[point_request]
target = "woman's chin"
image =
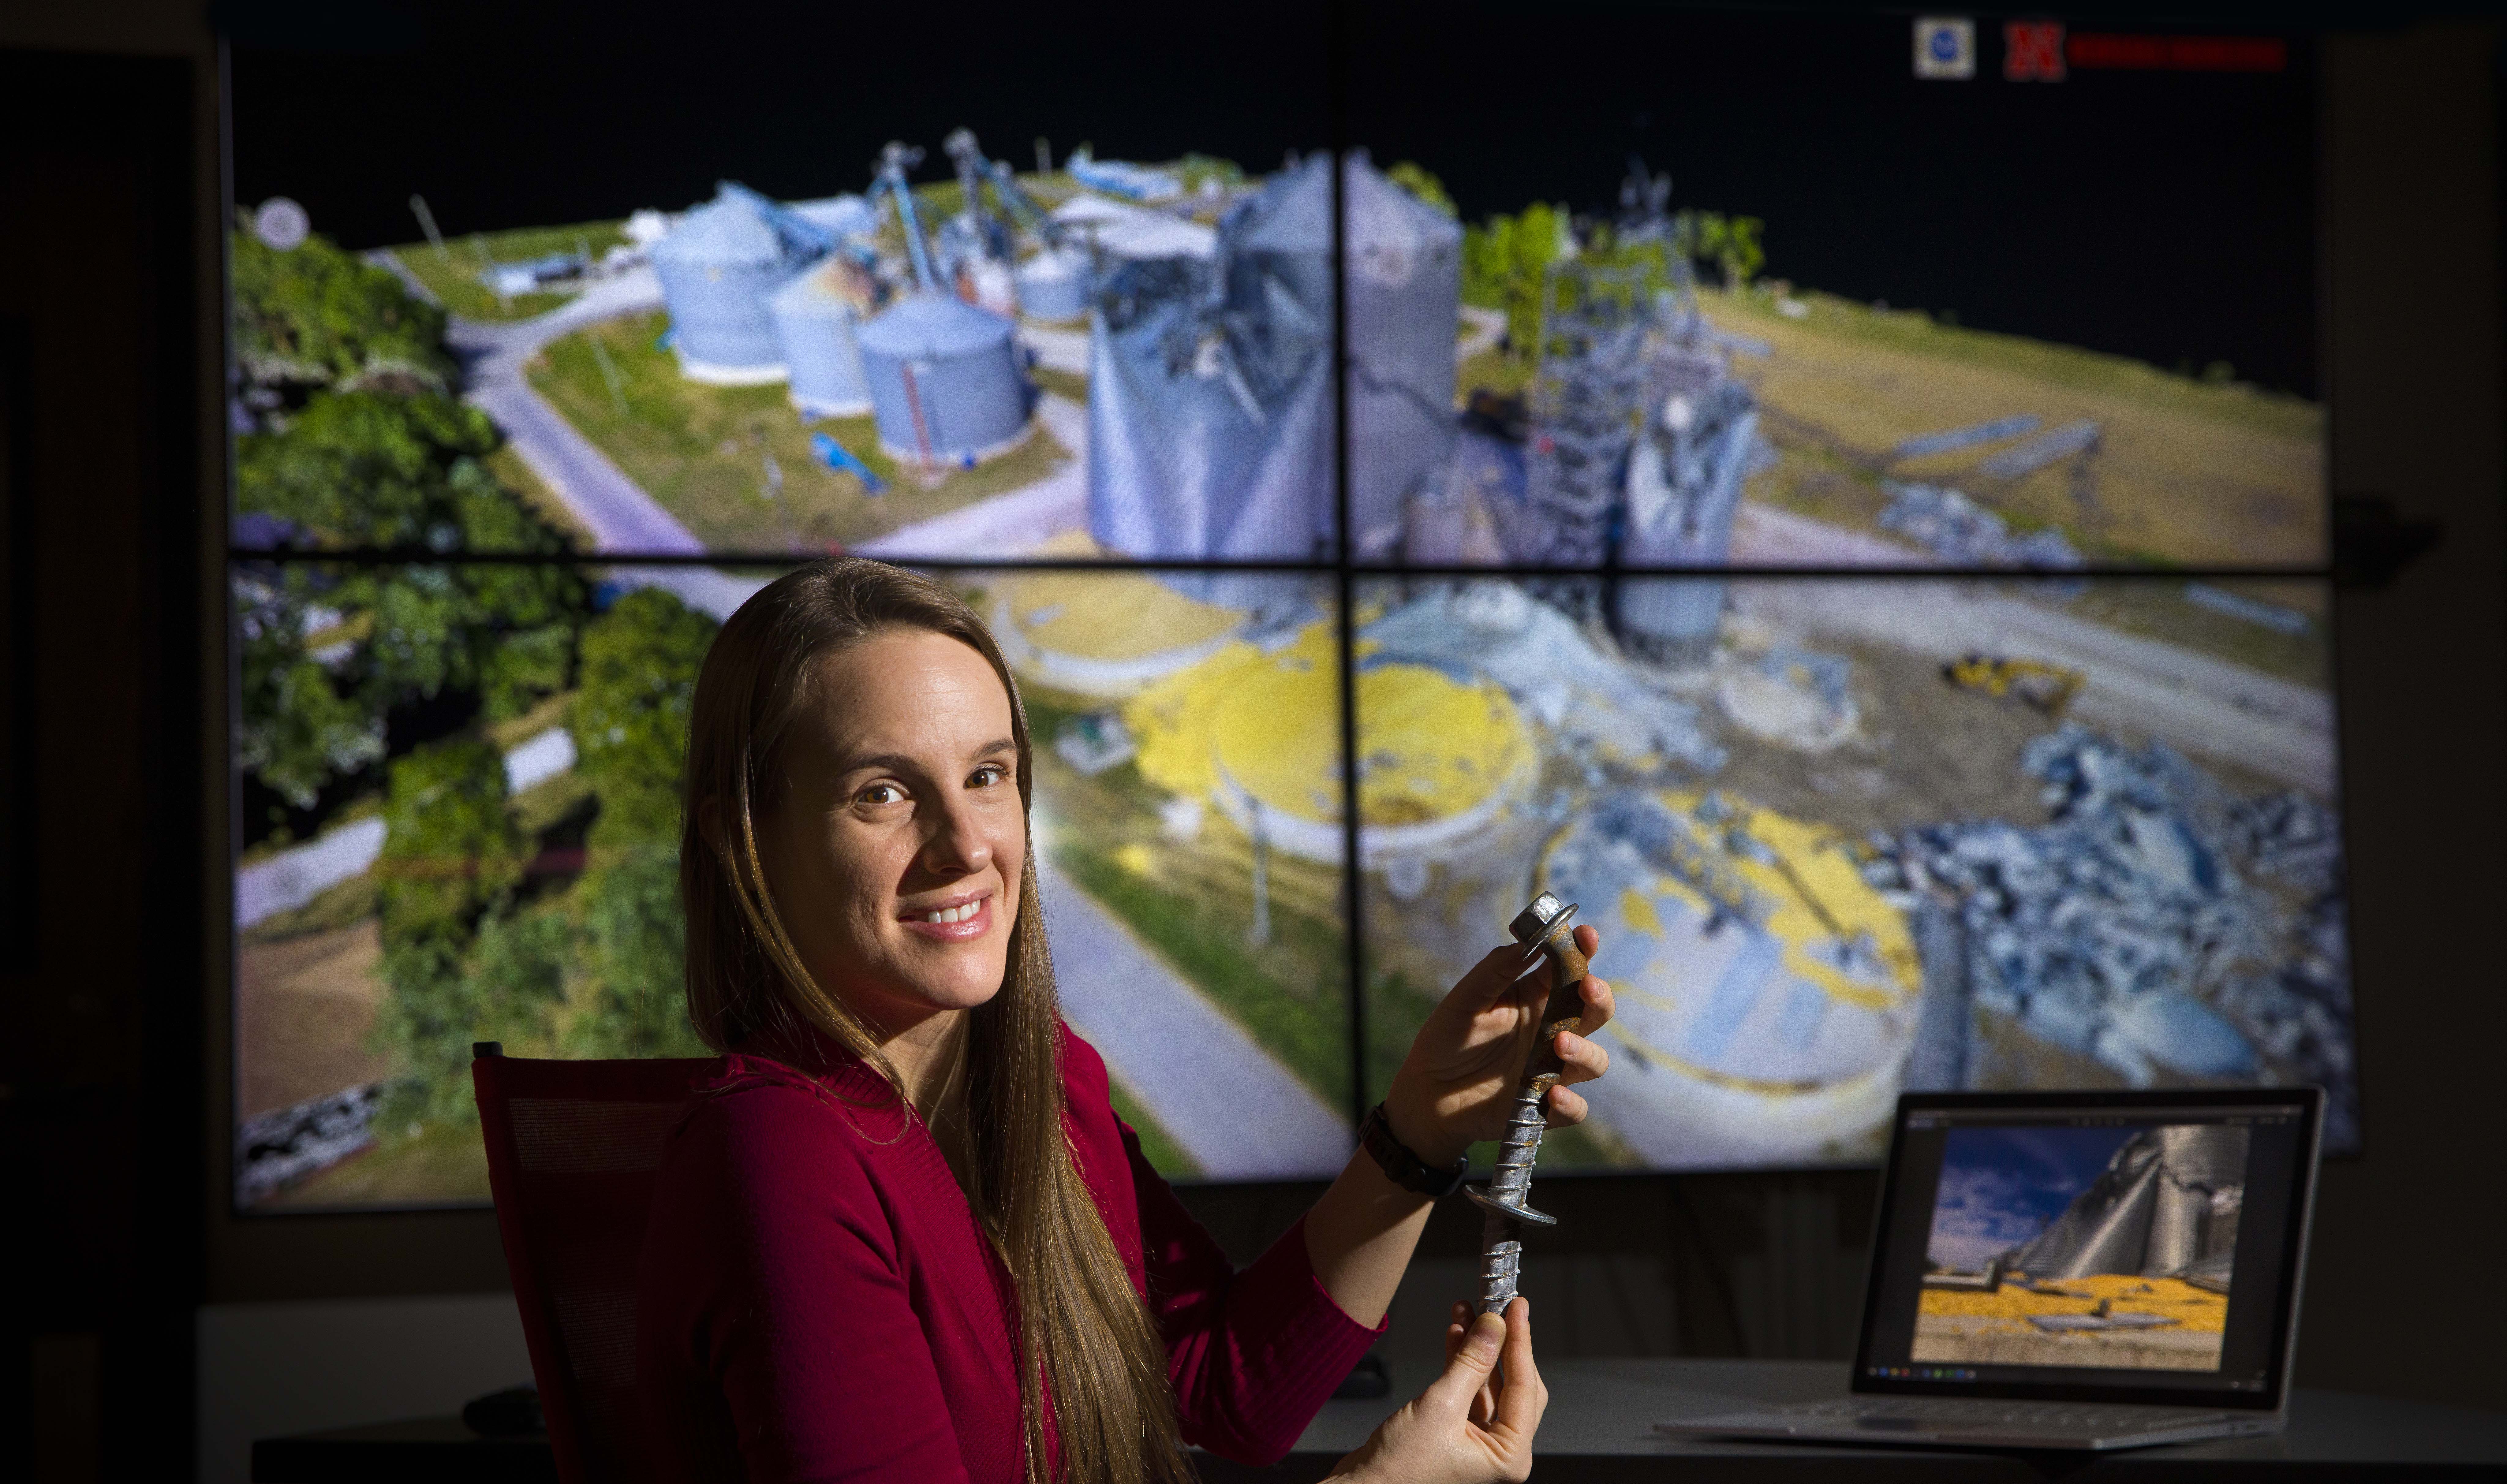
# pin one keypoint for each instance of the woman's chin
(964, 978)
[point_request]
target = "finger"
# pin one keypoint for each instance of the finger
(1467, 1368)
(1567, 1108)
(1580, 1058)
(1588, 940)
(1453, 1341)
(1497, 975)
(1599, 1005)
(1520, 1404)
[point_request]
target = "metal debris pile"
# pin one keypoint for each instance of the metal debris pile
(1955, 528)
(275, 1149)
(2155, 922)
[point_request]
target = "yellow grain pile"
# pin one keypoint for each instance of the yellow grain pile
(2192, 1308)
(1268, 725)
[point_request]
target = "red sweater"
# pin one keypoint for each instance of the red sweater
(818, 1302)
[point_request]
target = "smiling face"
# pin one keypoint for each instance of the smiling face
(895, 849)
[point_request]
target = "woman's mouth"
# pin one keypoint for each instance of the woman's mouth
(954, 921)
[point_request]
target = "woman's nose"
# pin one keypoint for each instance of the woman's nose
(958, 844)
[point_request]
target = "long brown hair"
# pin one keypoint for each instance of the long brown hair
(1084, 1335)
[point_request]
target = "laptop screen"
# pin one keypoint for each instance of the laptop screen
(2100, 1246)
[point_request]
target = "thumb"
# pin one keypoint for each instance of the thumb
(1468, 1369)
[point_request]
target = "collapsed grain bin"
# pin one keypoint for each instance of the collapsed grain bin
(1210, 400)
(2168, 1199)
(718, 268)
(1209, 414)
(1779, 989)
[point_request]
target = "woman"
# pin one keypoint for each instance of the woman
(902, 1235)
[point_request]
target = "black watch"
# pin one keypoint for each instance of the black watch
(1404, 1167)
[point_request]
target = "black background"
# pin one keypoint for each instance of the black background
(2165, 216)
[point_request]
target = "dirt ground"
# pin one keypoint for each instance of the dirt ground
(303, 1007)
(1990, 1342)
(1922, 753)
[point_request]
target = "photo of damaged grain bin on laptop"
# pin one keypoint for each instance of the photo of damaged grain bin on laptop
(2106, 1247)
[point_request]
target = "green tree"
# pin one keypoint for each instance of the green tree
(1505, 263)
(452, 851)
(505, 632)
(1733, 244)
(1416, 179)
(374, 469)
(319, 318)
(630, 719)
(1193, 169)
(451, 859)
(635, 943)
(299, 728)
(630, 723)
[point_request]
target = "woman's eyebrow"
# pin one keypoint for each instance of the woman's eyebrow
(885, 762)
(898, 762)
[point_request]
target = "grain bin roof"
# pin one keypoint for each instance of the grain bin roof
(739, 227)
(933, 326)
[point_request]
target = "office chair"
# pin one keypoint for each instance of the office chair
(572, 1149)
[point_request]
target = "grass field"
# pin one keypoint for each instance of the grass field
(2158, 609)
(2186, 471)
(517, 476)
(434, 1163)
(701, 450)
(1062, 384)
(454, 276)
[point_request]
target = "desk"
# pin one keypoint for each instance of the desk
(1599, 1431)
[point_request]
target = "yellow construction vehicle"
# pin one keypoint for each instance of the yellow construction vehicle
(2048, 688)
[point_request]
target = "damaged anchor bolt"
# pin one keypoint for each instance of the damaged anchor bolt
(1546, 927)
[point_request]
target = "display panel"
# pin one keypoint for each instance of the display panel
(989, 335)
(444, 843)
(2140, 1221)
(1846, 836)
(1643, 307)
(2143, 1245)
(1782, 290)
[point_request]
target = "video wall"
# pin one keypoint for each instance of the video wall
(1912, 697)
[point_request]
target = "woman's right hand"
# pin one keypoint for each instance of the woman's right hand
(1474, 1425)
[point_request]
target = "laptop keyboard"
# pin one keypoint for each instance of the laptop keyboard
(2063, 1416)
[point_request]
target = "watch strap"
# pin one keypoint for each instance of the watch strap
(1404, 1167)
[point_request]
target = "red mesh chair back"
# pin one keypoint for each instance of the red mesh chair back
(572, 1149)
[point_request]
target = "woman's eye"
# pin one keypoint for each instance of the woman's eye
(880, 793)
(988, 775)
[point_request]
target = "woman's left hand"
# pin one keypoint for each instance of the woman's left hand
(1454, 1088)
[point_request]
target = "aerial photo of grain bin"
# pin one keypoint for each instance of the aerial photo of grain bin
(2058, 1246)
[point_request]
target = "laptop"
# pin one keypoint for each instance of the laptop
(2087, 1270)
